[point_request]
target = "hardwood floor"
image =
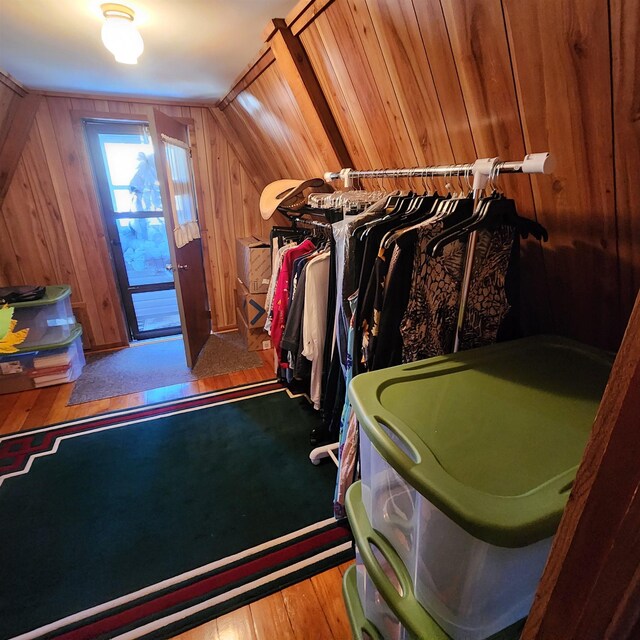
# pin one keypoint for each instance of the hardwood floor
(310, 610)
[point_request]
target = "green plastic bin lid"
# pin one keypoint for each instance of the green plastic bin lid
(53, 293)
(76, 331)
(493, 436)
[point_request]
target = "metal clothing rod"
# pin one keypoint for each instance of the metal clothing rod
(532, 163)
(315, 223)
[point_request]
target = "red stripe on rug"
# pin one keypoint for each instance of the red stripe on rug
(207, 585)
(19, 449)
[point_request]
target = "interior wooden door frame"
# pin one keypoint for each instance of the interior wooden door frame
(78, 117)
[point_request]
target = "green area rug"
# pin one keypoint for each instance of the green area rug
(148, 521)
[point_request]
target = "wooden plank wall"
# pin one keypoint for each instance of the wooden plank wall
(54, 227)
(6, 95)
(270, 125)
(407, 83)
(431, 81)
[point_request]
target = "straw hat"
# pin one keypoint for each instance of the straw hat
(289, 194)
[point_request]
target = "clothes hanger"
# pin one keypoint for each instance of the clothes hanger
(427, 211)
(453, 208)
(493, 211)
(459, 224)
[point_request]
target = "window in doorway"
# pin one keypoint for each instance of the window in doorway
(123, 160)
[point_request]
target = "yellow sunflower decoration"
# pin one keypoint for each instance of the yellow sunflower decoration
(9, 339)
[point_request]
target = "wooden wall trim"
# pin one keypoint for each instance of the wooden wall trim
(249, 75)
(88, 114)
(300, 7)
(592, 573)
(13, 84)
(304, 13)
(16, 128)
(129, 99)
(296, 68)
(625, 69)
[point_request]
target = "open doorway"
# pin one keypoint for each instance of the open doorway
(122, 156)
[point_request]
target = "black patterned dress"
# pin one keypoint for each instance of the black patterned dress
(429, 322)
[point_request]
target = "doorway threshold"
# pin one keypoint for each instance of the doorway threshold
(141, 343)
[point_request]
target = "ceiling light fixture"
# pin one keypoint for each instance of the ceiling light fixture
(119, 34)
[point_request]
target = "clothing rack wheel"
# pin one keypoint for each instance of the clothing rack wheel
(325, 451)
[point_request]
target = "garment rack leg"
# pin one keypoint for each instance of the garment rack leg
(324, 451)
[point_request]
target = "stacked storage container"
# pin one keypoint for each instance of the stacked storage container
(52, 352)
(467, 462)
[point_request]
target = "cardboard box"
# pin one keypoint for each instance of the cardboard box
(252, 306)
(254, 339)
(253, 263)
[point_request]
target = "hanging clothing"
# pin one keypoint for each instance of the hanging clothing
(429, 322)
(387, 351)
(376, 298)
(277, 260)
(348, 463)
(488, 303)
(281, 295)
(348, 440)
(292, 338)
(348, 261)
(367, 287)
(314, 323)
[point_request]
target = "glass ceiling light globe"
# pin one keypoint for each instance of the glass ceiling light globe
(119, 35)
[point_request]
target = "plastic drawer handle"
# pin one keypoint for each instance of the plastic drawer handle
(379, 575)
(359, 622)
(392, 448)
(405, 606)
(370, 630)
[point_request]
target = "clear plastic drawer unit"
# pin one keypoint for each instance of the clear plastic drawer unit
(467, 462)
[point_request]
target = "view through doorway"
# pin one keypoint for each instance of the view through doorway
(122, 156)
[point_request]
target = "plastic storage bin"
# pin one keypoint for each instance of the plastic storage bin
(50, 320)
(43, 366)
(385, 587)
(467, 462)
(375, 608)
(361, 628)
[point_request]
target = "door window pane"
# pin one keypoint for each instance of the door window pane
(145, 249)
(156, 309)
(131, 172)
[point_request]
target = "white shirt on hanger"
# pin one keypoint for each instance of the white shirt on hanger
(314, 324)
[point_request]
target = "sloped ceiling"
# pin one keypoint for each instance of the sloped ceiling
(193, 48)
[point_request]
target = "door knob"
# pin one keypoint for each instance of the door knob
(182, 267)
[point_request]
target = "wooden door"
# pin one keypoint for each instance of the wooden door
(186, 261)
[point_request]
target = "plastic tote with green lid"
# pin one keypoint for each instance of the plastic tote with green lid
(49, 319)
(36, 367)
(467, 462)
